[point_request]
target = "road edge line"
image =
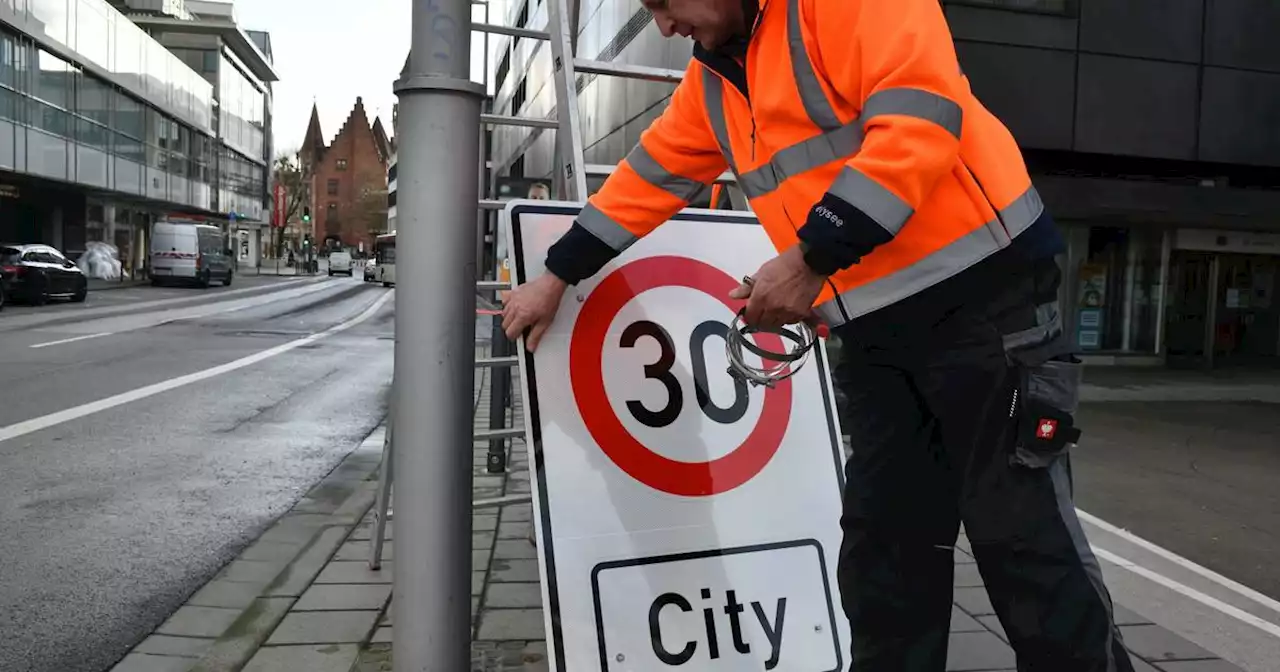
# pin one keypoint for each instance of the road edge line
(66, 415)
(1204, 572)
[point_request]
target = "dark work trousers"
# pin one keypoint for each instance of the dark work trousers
(935, 424)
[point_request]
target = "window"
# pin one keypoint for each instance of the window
(342, 164)
(333, 187)
(1060, 7)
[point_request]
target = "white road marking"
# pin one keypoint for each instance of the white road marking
(1187, 591)
(72, 340)
(52, 419)
(228, 307)
(1233, 586)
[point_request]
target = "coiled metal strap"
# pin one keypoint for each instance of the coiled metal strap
(738, 341)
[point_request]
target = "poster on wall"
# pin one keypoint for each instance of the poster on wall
(1091, 300)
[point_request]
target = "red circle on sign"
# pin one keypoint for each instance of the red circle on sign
(586, 351)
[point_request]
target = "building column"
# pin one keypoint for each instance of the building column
(53, 227)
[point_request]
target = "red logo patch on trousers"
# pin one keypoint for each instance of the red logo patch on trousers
(1047, 428)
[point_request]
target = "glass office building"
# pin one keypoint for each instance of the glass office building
(103, 130)
(1148, 127)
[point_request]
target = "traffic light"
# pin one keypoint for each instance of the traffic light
(306, 215)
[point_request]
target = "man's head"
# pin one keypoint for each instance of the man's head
(711, 23)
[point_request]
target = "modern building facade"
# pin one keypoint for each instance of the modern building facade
(1148, 126)
(207, 37)
(103, 129)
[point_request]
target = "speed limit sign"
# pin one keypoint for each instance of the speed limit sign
(684, 519)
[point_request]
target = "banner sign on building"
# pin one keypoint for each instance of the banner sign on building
(279, 211)
(685, 520)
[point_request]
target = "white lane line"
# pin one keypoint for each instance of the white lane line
(71, 340)
(1187, 591)
(230, 307)
(1233, 586)
(46, 421)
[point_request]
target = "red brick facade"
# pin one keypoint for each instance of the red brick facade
(348, 179)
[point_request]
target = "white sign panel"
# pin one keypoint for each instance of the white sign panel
(685, 520)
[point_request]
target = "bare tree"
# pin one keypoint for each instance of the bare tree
(290, 174)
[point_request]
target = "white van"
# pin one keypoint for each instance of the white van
(340, 262)
(189, 252)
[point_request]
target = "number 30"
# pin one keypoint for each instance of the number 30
(661, 372)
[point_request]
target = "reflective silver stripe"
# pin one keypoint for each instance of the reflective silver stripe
(811, 94)
(651, 171)
(1019, 215)
(802, 157)
(713, 92)
(603, 227)
(869, 196)
(942, 264)
(915, 103)
(1060, 476)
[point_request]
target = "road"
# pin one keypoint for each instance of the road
(1197, 478)
(140, 450)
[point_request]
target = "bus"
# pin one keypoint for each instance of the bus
(384, 250)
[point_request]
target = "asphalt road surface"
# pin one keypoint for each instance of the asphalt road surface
(114, 507)
(1201, 479)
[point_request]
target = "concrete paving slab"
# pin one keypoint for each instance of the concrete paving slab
(226, 594)
(511, 624)
(141, 662)
(166, 645)
(341, 597)
(324, 627)
(356, 572)
(190, 621)
(978, 651)
(322, 658)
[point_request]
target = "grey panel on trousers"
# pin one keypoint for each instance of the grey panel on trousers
(1136, 107)
(1238, 118)
(1242, 34)
(1164, 29)
(1031, 90)
(1020, 28)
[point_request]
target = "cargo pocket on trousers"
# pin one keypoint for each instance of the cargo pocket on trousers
(1045, 405)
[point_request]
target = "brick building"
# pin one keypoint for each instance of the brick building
(348, 178)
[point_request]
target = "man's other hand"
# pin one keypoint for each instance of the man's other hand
(782, 292)
(532, 306)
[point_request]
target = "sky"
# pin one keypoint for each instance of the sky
(327, 52)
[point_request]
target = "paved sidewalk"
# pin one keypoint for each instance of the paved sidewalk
(323, 610)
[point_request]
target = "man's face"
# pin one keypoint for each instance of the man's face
(709, 22)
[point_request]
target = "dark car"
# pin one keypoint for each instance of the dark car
(36, 273)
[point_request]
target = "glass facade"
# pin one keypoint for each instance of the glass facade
(100, 35)
(241, 110)
(59, 121)
(1114, 287)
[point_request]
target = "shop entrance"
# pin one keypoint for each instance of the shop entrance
(1223, 310)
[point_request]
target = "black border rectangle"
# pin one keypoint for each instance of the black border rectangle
(716, 553)
(515, 249)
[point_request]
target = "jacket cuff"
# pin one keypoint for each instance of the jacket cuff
(578, 255)
(838, 235)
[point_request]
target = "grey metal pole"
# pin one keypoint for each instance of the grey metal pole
(435, 342)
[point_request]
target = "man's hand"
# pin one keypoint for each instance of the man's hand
(532, 306)
(782, 291)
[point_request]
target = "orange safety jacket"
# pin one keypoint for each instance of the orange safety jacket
(851, 130)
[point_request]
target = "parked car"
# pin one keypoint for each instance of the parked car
(37, 273)
(341, 262)
(4, 291)
(189, 252)
(371, 270)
